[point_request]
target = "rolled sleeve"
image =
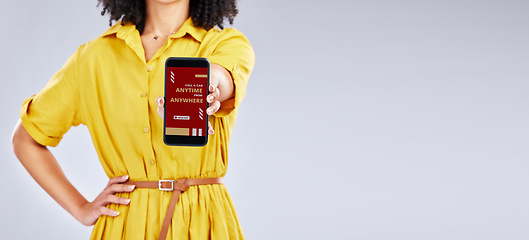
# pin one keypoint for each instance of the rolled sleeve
(236, 55)
(49, 114)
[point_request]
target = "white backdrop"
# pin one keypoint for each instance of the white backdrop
(363, 119)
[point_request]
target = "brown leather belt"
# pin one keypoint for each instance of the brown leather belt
(178, 186)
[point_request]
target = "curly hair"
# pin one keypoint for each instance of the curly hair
(204, 13)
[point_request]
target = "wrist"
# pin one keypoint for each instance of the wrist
(78, 210)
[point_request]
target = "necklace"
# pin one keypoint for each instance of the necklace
(156, 37)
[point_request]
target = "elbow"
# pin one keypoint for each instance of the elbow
(21, 139)
(16, 138)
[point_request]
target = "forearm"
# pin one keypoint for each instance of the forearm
(222, 77)
(44, 168)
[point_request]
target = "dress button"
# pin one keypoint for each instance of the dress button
(146, 129)
(144, 94)
(152, 162)
(149, 68)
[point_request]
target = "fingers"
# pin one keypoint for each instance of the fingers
(210, 129)
(113, 199)
(115, 185)
(214, 105)
(213, 108)
(118, 179)
(117, 200)
(91, 211)
(212, 88)
(214, 94)
(213, 100)
(108, 212)
(116, 188)
(108, 197)
(160, 102)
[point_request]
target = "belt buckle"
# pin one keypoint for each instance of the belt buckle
(165, 189)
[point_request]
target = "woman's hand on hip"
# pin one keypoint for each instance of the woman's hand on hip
(212, 98)
(91, 211)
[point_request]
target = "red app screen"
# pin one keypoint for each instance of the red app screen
(185, 103)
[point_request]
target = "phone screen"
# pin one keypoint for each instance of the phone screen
(186, 89)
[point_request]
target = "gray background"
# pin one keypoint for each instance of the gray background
(363, 119)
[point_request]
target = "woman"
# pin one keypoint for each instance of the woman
(112, 85)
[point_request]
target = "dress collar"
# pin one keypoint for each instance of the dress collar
(122, 31)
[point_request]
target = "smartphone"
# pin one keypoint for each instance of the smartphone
(186, 89)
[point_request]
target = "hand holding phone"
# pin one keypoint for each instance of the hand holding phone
(186, 103)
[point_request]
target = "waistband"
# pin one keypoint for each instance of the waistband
(177, 186)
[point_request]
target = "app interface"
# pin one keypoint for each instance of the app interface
(185, 103)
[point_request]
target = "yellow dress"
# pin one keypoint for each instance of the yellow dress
(108, 86)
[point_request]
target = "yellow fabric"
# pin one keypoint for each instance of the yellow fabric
(107, 86)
